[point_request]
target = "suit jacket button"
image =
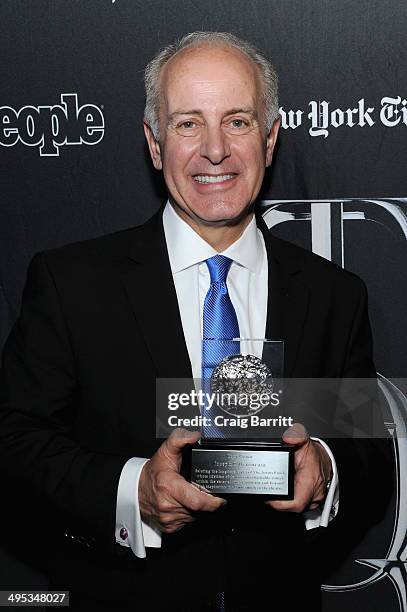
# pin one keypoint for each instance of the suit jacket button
(124, 533)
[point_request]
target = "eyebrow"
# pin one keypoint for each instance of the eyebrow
(232, 111)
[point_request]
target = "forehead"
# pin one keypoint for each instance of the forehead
(210, 76)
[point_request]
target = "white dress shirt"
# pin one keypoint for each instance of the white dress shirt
(248, 290)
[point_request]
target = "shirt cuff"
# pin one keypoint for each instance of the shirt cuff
(322, 516)
(131, 530)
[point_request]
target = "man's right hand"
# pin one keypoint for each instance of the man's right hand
(165, 497)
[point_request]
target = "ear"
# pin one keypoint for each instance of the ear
(154, 147)
(271, 141)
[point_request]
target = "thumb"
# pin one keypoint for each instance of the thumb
(178, 439)
(296, 435)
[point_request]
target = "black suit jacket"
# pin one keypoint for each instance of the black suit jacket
(99, 323)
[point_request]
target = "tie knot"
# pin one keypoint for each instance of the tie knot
(218, 268)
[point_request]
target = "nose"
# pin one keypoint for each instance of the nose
(214, 145)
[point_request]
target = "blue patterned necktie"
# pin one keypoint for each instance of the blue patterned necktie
(219, 323)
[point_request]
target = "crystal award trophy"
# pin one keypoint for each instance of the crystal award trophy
(240, 452)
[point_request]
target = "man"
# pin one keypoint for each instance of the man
(102, 320)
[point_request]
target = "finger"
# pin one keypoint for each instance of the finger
(296, 434)
(195, 499)
(175, 516)
(210, 503)
(178, 439)
(200, 487)
(303, 496)
(176, 526)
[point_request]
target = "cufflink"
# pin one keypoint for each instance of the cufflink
(123, 533)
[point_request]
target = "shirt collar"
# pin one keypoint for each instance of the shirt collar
(186, 248)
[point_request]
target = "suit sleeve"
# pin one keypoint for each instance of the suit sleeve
(38, 394)
(362, 462)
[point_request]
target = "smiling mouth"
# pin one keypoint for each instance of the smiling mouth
(206, 179)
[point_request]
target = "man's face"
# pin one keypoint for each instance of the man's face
(213, 145)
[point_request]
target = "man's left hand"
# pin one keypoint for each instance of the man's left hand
(313, 470)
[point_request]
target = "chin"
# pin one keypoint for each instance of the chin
(222, 214)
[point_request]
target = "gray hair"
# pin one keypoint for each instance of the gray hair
(154, 68)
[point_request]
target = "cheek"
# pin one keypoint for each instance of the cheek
(172, 169)
(253, 156)
(255, 165)
(177, 157)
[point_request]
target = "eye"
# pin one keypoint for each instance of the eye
(238, 123)
(188, 125)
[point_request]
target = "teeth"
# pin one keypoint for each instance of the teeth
(205, 178)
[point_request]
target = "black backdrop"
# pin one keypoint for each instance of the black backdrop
(343, 90)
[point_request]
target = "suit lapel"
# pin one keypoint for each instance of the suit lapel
(288, 299)
(147, 277)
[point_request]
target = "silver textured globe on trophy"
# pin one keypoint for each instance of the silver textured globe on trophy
(237, 375)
